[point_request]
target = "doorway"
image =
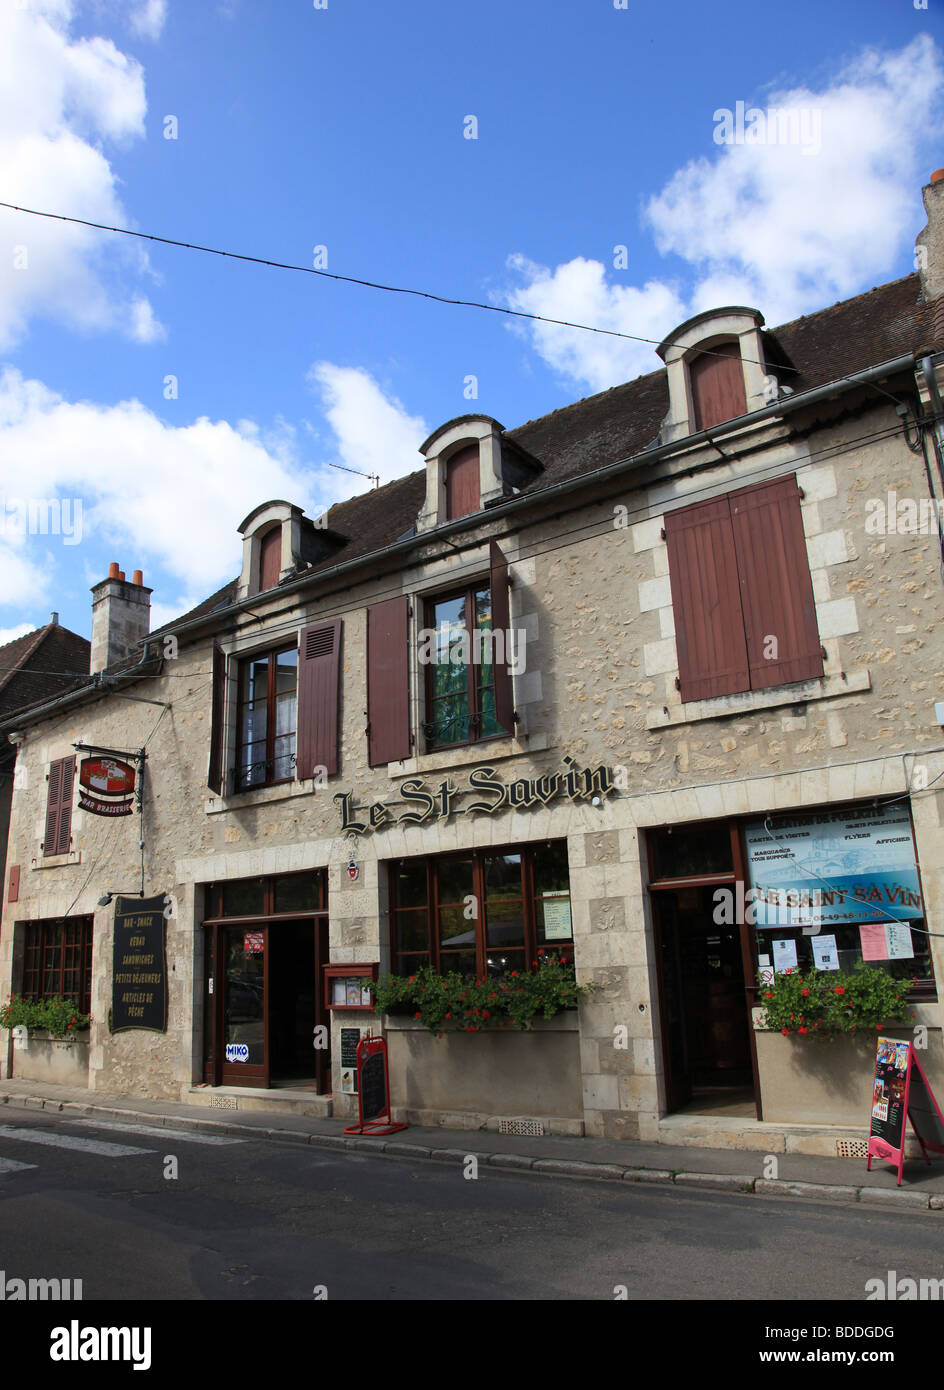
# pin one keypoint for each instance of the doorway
(270, 1023)
(705, 1018)
(292, 975)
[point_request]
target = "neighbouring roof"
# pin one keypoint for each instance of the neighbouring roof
(41, 665)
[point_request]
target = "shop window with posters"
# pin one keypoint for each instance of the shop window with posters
(831, 888)
(485, 912)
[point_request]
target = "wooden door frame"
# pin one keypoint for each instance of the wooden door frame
(728, 879)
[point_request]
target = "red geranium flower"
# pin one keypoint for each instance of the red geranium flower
(804, 991)
(802, 1030)
(839, 989)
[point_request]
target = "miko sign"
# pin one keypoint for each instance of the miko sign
(237, 1052)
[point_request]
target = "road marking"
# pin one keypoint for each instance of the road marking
(10, 1165)
(187, 1135)
(68, 1141)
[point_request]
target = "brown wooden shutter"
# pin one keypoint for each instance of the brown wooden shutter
(783, 642)
(58, 836)
(318, 667)
(215, 774)
(709, 628)
(462, 483)
(13, 895)
(717, 382)
(501, 619)
(270, 559)
(388, 681)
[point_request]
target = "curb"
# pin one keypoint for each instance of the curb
(738, 1183)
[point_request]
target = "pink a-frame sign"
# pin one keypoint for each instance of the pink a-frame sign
(900, 1090)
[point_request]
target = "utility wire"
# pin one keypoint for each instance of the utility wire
(396, 289)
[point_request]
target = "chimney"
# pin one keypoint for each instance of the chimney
(121, 617)
(929, 246)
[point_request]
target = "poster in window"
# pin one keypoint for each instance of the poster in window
(785, 955)
(825, 954)
(833, 868)
(557, 920)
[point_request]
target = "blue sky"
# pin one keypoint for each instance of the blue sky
(345, 127)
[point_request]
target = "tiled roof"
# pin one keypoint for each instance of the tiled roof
(41, 665)
(874, 327)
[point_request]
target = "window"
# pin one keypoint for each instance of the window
(270, 559)
(717, 383)
(460, 679)
(286, 713)
(57, 838)
(487, 912)
(268, 897)
(462, 483)
(266, 719)
(745, 617)
(57, 961)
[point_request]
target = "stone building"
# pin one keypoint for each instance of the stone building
(717, 587)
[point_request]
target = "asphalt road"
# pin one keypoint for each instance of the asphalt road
(248, 1221)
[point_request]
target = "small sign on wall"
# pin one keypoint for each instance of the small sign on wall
(237, 1052)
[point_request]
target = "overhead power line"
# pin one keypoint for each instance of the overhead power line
(367, 284)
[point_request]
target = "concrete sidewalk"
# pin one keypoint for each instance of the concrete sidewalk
(776, 1175)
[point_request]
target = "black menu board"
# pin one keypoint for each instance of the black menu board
(139, 965)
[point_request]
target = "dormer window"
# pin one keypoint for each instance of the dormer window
(279, 541)
(716, 370)
(716, 379)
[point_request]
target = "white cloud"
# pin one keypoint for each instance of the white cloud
(147, 18)
(10, 634)
(60, 99)
(374, 432)
(158, 495)
(578, 291)
(787, 228)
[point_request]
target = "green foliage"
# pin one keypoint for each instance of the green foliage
(827, 1003)
(455, 1001)
(59, 1017)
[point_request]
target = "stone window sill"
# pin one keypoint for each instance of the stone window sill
(466, 754)
(258, 796)
(58, 861)
(802, 693)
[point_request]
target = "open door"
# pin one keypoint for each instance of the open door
(244, 1047)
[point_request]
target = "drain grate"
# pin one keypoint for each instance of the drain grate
(529, 1127)
(225, 1102)
(852, 1148)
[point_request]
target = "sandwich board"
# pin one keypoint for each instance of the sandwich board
(900, 1090)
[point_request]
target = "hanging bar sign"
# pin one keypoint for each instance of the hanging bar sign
(106, 786)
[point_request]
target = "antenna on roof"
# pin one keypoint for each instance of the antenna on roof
(374, 477)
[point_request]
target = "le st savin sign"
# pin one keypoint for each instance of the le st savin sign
(486, 793)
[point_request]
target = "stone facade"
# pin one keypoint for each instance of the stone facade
(591, 590)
